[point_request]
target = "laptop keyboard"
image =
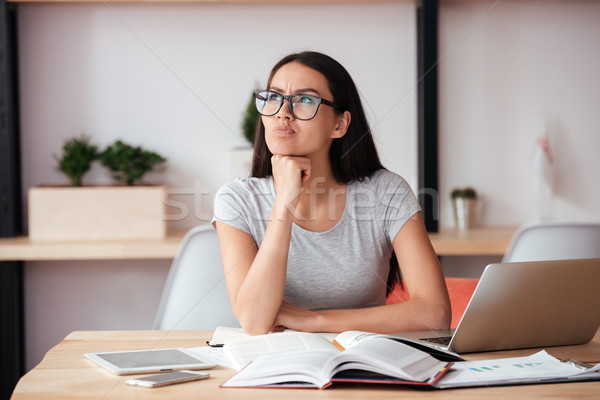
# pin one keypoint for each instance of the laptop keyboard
(443, 340)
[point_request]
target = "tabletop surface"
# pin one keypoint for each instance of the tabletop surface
(66, 373)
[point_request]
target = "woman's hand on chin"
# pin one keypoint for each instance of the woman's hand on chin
(290, 173)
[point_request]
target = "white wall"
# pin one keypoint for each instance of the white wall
(504, 65)
(175, 79)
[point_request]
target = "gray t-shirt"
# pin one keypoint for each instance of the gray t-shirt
(344, 267)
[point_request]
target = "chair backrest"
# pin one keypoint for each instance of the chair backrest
(554, 241)
(460, 291)
(195, 294)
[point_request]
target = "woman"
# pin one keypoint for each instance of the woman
(306, 241)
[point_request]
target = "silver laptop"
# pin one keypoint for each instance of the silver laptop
(526, 304)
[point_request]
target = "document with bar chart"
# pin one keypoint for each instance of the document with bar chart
(540, 367)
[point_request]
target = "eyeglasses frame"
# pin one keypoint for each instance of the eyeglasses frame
(320, 101)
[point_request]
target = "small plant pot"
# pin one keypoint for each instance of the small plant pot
(465, 213)
(97, 213)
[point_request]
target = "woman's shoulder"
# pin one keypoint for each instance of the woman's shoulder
(384, 179)
(243, 198)
(384, 186)
(247, 186)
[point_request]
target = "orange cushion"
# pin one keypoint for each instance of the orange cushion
(460, 291)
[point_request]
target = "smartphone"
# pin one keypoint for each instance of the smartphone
(167, 379)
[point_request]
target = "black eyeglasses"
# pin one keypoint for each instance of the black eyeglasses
(302, 106)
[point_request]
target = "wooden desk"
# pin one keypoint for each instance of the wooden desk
(488, 241)
(449, 241)
(66, 373)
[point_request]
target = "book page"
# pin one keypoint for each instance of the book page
(387, 357)
(350, 338)
(291, 368)
(223, 333)
(244, 350)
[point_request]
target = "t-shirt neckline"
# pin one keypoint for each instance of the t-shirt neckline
(295, 226)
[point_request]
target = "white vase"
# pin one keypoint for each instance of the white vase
(465, 213)
(240, 162)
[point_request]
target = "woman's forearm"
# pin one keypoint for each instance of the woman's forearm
(412, 315)
(261, 293)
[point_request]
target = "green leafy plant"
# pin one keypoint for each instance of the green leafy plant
(129, 163)
(466, 193)
(250, 120)
(77, 157)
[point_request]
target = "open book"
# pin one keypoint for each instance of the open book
(297, 359)
(252, 346)
(223, 333)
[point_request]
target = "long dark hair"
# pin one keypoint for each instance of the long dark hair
(354, 155)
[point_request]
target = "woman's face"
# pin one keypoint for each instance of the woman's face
(287, 135)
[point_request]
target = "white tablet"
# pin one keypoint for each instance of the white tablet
(142, 361)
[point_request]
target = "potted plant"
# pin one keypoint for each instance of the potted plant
(249, 120)
(464, 201)
(77, 157)
(128, 163)
(127, 211)
(240, 159)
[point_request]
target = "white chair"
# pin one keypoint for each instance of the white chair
(553, 241)
(195, 294)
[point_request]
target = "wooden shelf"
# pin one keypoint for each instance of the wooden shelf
(210, 1)
(480, 241)
(24, 249)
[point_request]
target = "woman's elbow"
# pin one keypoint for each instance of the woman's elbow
(441, 317)
(252, 325)
(254, 329)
